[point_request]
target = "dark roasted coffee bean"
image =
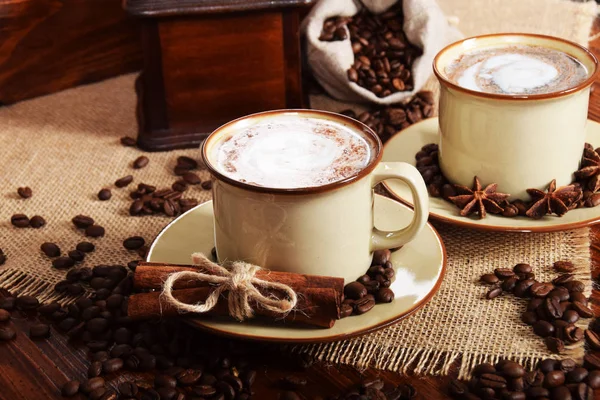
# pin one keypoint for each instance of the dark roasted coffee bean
(522, 288)
(591, 361)
(573, 334)
(179, 186)
(560, 393)
(509, 284)
(534, 303)
(94, 231)
(167, 393)
(543, 328)
(581, 391)
(206, 185)
(37, 221)
(384, 295)
(188, 376)
(570, 316)
(8, 303)
(70, 388)
(163, 380)
(50, 249)
(97, 325)
(150, 394)
(27, 303)
(562, 279)
(124, 181)
(492, 381)
(140, 162)
(63, 262)
(355, 290)
(82, 221)
(457, 389)
(129, 389)
(20, 220)
(592, 339)
(555, 345)
(541, 289)
(134, 242)
(112, 365)
(560, 293)
(104, 194)
(128, 141)
(100, 356)
(552, 307)
(548, 365)
(536, 392)
(187, 162)
(92, 384)
(574, 286)
(225, 389)
(95, 369)
(522, 269)
(554, 379)
(512, 369)
(85, 247)
(289, 395)
(579, 297)
(577, 375)
(564, 266)
(493, 293)
(24, 192)
(204, 391)
(75, 289)
(529, 317)
(567, 365)
(248, 378)
(582, 310)
(39, 331)
(363, 305)
(593, 379)
(380, 257)
(191, 178)
(76, 255)
(489, 279)
(4, 315)
(2, 257)
(503, 273)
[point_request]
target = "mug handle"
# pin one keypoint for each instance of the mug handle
(381, 240)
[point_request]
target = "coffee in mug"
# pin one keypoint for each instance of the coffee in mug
(513, 110)
(293, 191)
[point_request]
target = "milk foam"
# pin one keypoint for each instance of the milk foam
(516, 69)
(293, 153)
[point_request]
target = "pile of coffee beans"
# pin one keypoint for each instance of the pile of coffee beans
(383, 56)
(73, 257)
(376, 389)
(373, 287)
(23, 221)
(552, 379)
(387, 121)
(147, 200)
(554, 307)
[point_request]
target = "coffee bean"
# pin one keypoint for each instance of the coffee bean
(492, 381)
(555, 345)
(188, 377)
(561, 393)
(85, 247)
(2, 257)
(577, 375)
(512, 369)
(561, 279)
(97, 325)
(20, 220)
(128, 141)
(384, 295)
(187, 162)
(554, 379)
(534, 303)
(112, 365)
(582, 310)
(579, 297)
(4, 315)
(50, 249)
(457, 388)
(593, 379)
(163, 380)
(289, 395)
(76, 255)
(140, 162)
(104, 194)
(363, 305)
(129, 389)
(573, 334)
(63, 262)
(380, 257)
(94, 231)
(225, 389)
(567, 365)
(134, 242)
(522, 268)
(591, 361)
(489, 279)
(179, 186)
(82, 221)
(548, 365)
(543, 328)
(37, 221)
(27, 303)
(70, 388)
(25, 192)
(8, 303)
(564, 266)
(355, 290)
(95, 369)
(503, 273)
(206, 185)
(150, 394)
(552, 307)
(92, 384)
(493, 293)
(570, 316)
(560, 293)
(574, 286)
(124, 181)
(541, 290)
(39, 331)
(522, 287)
(529, 317)
(191, 178)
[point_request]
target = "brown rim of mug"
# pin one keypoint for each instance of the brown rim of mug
(541, 96)
(357, 125)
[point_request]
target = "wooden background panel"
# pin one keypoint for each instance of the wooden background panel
(222, 63)
(50, 45)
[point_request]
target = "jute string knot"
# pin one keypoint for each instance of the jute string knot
(239, 280)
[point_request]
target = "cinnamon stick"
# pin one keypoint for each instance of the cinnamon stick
(152, 275)
(316, 306)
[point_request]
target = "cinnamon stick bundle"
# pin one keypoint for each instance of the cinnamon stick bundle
(152, 276)
(316, 306)
(319, 297)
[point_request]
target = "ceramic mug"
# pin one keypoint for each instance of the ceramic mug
(322, 230)
(516, 141)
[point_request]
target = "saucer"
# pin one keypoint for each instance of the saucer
(420, 266)
(404, 146)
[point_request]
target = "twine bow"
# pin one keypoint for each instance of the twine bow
(241, 283)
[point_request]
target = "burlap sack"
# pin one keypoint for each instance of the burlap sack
(424, 25)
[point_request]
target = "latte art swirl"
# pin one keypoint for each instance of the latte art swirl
(516, 69)
(293, 153)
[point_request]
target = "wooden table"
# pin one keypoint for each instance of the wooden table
(35, 370)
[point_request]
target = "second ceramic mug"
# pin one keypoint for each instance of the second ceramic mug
(321, 230)
(516, 141)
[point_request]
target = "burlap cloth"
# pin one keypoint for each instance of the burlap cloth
(66, 148)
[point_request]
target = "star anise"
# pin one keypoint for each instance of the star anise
(554, 201)
(477, 200)
(590, 163)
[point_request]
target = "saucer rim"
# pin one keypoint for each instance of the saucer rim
(198, 322)
(464, 222)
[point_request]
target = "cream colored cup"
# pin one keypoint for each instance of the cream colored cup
(325, 230)
(516, 141)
